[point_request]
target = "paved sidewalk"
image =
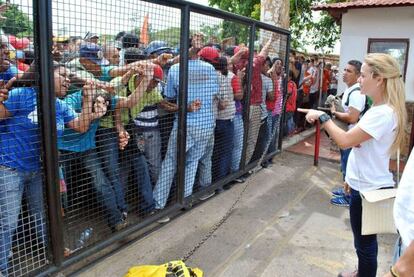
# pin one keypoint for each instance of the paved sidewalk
(282, 226)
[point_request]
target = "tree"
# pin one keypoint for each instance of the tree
(322, 32)
(16, 23)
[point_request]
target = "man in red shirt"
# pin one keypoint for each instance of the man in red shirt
(240, 61)
(289, 125)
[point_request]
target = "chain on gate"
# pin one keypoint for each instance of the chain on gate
(217, 225)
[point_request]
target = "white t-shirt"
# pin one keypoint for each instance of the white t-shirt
(368, 165)
(404, 204)
(356, 100)
(226, 94)
(267, 87)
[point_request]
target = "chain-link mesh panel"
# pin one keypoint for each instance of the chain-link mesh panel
(23, 211)
(117, 93)
(117, 56)
(267, 125)
(216, 80)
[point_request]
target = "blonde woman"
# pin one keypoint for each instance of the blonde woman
(378, 134)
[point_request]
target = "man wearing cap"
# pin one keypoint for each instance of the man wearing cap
(145, 116)
(202, 89)
(75, 146)
(240, 62)
(132, 159)
(91, 38)
(7, 69)
(88, 66)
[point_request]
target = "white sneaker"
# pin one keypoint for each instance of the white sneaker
(163, 220)
(207, 196)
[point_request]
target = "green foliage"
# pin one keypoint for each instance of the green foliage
(170, 35)
(322, 32)
(247, 8)
(16, 23)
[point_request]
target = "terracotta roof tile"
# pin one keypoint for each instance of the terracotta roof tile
(356, 4)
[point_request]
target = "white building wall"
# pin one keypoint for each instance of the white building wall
(360, 24)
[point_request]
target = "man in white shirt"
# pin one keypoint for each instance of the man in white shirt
(404, 221)
(353, 103)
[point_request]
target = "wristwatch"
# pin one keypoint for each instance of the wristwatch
(323, 118)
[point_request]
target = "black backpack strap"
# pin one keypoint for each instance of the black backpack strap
(366, 107)
(349, 95)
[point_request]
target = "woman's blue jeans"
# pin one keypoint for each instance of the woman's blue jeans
(366, 246)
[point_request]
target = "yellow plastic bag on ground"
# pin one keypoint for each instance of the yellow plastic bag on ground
(170, 269)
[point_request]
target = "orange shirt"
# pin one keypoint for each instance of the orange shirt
(326, 79)
(306, 85)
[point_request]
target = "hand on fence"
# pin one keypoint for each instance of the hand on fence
(194, 106)
(108, 87)
(4, 89)
(123, 138)
(241, 74)
(164, 58)
(89, 89)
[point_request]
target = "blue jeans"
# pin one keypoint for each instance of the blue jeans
(237, 142)
(133, 162)
(399, 250)
(204, 166)
(197, 140)
(289, 125)
(273, 125)
(223, 147)
(12, 185)
(105, 193)
(344, 160)
(366, 246)
(152, 151)
(107, 149)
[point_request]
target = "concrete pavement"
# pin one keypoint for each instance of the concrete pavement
(282, 226)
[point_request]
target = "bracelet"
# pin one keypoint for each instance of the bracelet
(393, 272)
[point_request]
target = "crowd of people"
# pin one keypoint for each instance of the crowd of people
(117, 106)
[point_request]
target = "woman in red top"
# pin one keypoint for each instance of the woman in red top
(290, 105)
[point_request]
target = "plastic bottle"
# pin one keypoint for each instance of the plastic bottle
(84, 237)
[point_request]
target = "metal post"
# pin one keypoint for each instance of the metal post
(285, 87)
(317, 143)
(42, 11)
(247, 94)
(182, 101)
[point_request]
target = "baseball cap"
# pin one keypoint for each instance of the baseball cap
(92, 52)
(237, 49)
(4, 40)
(158, 73)
(130, 40)
(158, 47)
(61, 39)
(209, 54)
(90, 35)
